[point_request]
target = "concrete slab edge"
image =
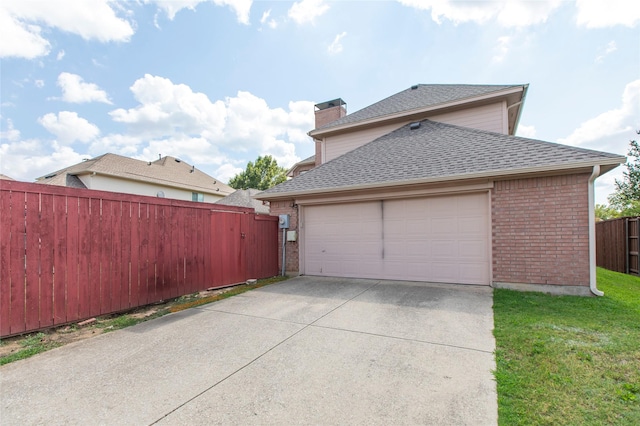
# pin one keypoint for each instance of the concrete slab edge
(557, 290)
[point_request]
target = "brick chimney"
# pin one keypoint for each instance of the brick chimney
(327, 112)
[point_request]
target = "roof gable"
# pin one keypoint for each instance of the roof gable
(437, 152)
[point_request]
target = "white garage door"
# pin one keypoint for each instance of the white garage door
(439, 239)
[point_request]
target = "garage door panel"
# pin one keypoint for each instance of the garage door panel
(473, 250)
(445, 272)
(474, 273)
(472, 225)
(444, 249)
(440, 226)
(441, 239)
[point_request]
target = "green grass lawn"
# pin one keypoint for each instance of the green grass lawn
(567, 359)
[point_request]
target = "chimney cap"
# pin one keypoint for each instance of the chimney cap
(330, 104)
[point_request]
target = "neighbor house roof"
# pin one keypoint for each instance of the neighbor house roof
(166, 171)
(438, 152)
(426, 97)
(243, 198)
(5, 177)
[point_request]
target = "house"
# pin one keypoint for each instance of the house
(430, 184)
(244, 198)
(166, 177)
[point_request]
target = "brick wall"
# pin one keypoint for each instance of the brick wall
(292, 258)
(327, 115)
(540, 230)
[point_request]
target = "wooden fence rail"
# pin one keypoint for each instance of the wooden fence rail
(70, 254)
(617, 245)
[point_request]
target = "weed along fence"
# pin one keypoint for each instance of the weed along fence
(617, 242)
(70, 254)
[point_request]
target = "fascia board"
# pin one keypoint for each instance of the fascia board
(492, 174)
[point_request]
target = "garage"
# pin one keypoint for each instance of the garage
(439, 239)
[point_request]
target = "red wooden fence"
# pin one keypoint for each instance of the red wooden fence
(70, 254)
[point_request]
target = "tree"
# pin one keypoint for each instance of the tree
(626, 197)
(263, 174)
(604, 212)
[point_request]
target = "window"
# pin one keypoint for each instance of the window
(196, 196)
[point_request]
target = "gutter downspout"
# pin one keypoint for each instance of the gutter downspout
(592, 234)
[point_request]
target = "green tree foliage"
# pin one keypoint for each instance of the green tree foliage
(604, 212)
(626, 197)
(263, 174)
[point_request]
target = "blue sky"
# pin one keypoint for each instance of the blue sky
(218, 83)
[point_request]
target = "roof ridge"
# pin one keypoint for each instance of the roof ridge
(407, 100)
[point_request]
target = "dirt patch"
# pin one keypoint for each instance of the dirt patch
(59, 336)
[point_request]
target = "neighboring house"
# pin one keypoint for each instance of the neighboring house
(166, 177)
(244, 198)
(431, 185)
(5, 177)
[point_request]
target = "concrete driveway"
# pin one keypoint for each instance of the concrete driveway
(304, 351)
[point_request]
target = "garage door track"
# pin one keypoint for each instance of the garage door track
(304, 351)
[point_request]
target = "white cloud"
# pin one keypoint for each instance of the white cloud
(39, 83)
(227, 171)
(502, 48)
(167, 109)
(270, 22)
(174, 117)
(19, 39)
(523, 13)
(126, 145)
(307, 10)
(512, 13)
(75, 90)
(172, 7)
(610, 48)
(265, 16)
(336, 46)
(526, 131)
(10, 134)
(24, 165)
(69, 128)
(22, 23)
(60, 55)
(603, 14)
(610, 124)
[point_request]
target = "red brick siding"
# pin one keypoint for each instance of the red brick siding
(328, 115)
(540, 229)
(292, 258)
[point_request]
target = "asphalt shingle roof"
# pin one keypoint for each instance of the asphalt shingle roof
(168, 171)
(242, 198)
(423, 96)
(437, 151)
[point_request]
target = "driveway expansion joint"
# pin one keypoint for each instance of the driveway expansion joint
(261, 355)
